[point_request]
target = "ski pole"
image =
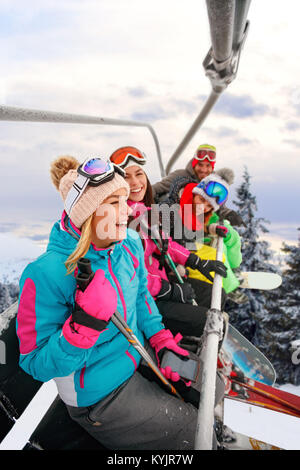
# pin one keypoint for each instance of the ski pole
(83, 278)
(266, 394)
(120, 323)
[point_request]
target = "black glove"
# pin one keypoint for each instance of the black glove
(174, 292)
(216, 229)
(205, 266)
(232, 216)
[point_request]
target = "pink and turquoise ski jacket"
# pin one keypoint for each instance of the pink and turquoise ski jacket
(83, 376)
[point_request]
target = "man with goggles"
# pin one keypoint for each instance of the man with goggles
(205, 153)
(201, 165)
(92, 172)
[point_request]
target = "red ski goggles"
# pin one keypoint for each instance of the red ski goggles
(121, 156)
(203, 154)
(93, 172)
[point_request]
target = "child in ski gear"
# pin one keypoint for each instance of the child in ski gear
(201, 201)
(173, 299)
(66, 334)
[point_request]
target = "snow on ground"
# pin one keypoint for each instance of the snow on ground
(269, 426)
(15, 254)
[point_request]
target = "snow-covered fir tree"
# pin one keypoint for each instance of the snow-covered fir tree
(256, 257)
(5, 299)
(279, 334)
(8, 295)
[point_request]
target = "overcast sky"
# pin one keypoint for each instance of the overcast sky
(143, 61)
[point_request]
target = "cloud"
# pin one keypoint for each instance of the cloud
(292, 125)
(242, 106)
(17, 247)
(244, 141)
(8, 227)
(293, 142)
(185, 106)
(138, 92)
(225, 132)
(136, 61)
(38, 237)
(151, 113)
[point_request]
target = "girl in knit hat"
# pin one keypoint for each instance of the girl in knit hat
(198, 206)
(174, 300)
(67, 334)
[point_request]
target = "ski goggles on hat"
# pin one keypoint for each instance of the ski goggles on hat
(93, 172)
(122, 156)
(214, 189)
(203, 154)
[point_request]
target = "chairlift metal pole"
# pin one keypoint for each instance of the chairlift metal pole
(240, 21)
(228, 31)
(10, 113)
(212, 334)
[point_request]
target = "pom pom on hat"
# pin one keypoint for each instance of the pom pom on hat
(227, 174)
(60, 168)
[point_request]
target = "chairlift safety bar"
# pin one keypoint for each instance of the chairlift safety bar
(10, 113)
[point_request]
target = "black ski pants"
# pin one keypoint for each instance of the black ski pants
(187, 319)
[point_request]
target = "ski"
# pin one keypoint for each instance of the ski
(250, 360)
(256, 393)
(259, 280)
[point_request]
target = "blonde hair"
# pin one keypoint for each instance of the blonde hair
(82, 247)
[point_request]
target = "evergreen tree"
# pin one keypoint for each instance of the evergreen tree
(280, 328)
(5, 298)
(8, 295)
(256, 257)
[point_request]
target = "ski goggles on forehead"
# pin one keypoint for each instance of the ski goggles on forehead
(92, 172)
(122, 158)
(214, 189)
(203, 154)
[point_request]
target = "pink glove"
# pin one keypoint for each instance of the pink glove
(98, 301)
(165, 340)
(99, 298)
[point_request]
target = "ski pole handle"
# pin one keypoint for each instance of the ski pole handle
(85, 273)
